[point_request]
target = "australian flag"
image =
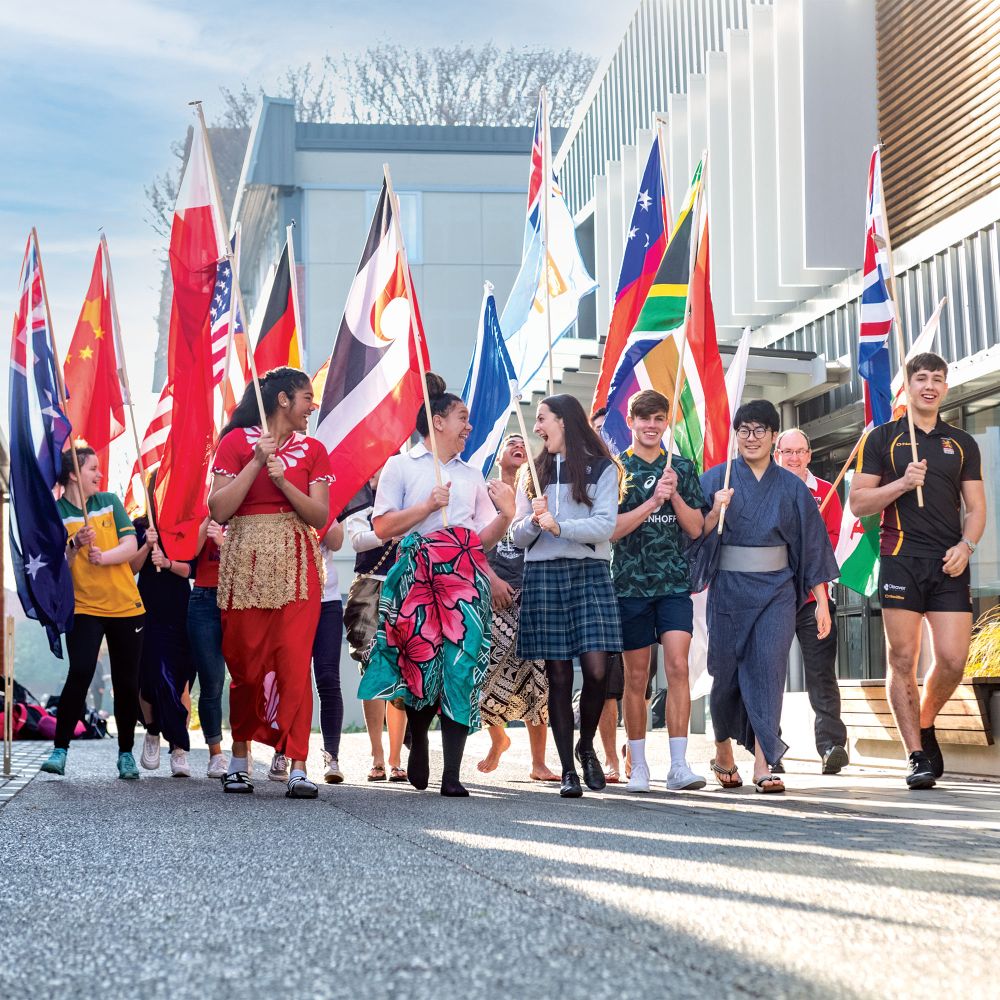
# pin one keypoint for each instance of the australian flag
(38, 431)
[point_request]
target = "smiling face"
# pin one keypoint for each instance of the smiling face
(452, 429)
(513, 455)
(299, 408)
(793, 453)
(90, 476)
(927, 391)
(550, 429)
(647, 431)
(754, 441)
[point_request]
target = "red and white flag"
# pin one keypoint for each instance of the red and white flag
(154, 443)
(372, 391)
(197, 246)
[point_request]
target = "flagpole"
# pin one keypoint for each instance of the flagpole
(60, 384)
(220, 228)
(729, 467)
(897, 323)
(692, 262)
(843, 472)
(293, 278)
(524, 437)
(415, 328)
(545, 195)
(661, 124)
(231, 334)
(123, 375)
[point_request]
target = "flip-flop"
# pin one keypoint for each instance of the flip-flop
(770, 784)
(721, 773)
(611, 776)
(397, 774)
(377, 773)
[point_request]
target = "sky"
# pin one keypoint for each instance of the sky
(93, 94)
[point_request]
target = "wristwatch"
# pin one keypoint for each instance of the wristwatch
(972, 545)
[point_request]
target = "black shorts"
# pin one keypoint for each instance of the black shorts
(616, 675)
(912, 583)
(645, 619)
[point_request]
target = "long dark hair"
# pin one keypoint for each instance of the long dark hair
(441, 402)
(277, 380)
(67, 469)
(584, 449)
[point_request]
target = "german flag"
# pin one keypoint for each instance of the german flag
(276, 327)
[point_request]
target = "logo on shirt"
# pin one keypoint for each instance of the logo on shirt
(648, 484)
(948, 446)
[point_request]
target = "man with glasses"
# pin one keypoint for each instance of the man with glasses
(772, 553)
(792, 451)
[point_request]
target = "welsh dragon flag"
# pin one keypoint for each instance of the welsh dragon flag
(651, 356)
(858, 549)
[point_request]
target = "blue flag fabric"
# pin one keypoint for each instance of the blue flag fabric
(38, 431)
(488, 392)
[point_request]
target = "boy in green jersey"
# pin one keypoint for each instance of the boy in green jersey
(663, 499)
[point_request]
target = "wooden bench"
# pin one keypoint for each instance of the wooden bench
(965, 719)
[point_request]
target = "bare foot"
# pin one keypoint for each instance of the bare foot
(543, 774)
(501, 743)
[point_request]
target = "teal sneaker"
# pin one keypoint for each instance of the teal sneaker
(126, 766)
(56, 764)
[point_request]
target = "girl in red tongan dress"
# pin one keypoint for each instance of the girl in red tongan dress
(272, 485)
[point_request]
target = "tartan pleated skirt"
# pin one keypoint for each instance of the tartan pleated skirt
(568, 607)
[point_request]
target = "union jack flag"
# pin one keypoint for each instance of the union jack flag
(538, 143)
(877, 312)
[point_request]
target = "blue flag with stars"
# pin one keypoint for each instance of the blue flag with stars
(38, 431)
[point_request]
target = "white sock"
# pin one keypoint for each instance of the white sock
(678, 750)
(637, 748)
(237, 764)
(296, 773)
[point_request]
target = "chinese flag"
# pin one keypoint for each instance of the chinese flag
(95, 407)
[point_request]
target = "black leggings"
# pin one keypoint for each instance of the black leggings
(83, 644)
(453, 737)
(595, 685)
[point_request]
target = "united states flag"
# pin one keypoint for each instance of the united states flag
(223, 311)
(876, 305)
(154, 442)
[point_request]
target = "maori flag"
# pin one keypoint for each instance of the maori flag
(372, 391)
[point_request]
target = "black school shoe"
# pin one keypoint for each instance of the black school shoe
(835, 760)
(570, 787)
(929, 744)
(593, 773)
(920, 773)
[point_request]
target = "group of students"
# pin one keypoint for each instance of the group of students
(473, 599)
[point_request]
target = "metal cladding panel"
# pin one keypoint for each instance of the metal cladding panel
(602, 255)
(938, 107)
(630, 184)
(678, 149)
(839, 127)
(616, 224)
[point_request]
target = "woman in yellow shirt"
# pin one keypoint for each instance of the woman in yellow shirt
(108, 606)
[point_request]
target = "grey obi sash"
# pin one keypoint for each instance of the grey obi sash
(753, 558)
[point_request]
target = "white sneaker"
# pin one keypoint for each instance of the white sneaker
(150, 756)
(332, 775)
(279, 768)
(179, 766)
(681, 778)
(639, 779)
(217, 766)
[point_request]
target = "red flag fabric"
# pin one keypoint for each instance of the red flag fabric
(196, 247)
(154, 443)
(95, 404)
(373, 390)
(276, 329)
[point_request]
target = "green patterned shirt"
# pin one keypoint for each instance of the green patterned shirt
(650, 562)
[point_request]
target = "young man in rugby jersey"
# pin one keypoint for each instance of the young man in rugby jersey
(925, 554)
(652, 579)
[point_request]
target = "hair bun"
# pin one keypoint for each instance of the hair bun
(436, 386)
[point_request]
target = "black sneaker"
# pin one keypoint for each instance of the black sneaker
(920, 773)
(929, 744)
(835, 760)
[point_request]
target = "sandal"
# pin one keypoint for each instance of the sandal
(237, 781)
(770, 784)
(611, 776)
(377, 773)
(721, 774)
(301, 788)
(397, 774)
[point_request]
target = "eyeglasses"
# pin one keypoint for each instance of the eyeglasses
(790, 452)
(747, 432)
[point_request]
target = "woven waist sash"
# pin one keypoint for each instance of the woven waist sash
(753, 558)
(264, 561)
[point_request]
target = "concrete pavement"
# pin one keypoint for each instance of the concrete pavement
(845, 887)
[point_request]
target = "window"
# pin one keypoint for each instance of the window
(410, 219)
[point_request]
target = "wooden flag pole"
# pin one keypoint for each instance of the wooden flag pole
(545, 194)
(220, 229)
(60, 384)
(661, 127)
(729, 468)
(415, 329)
(293, 278)
(524, 437)
(123, 377)
(842, 473)
(692, 262)
(897, 323)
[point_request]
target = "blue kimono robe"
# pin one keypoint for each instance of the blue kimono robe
(751, 616)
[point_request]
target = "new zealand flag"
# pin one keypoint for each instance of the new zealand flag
(38, 431)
